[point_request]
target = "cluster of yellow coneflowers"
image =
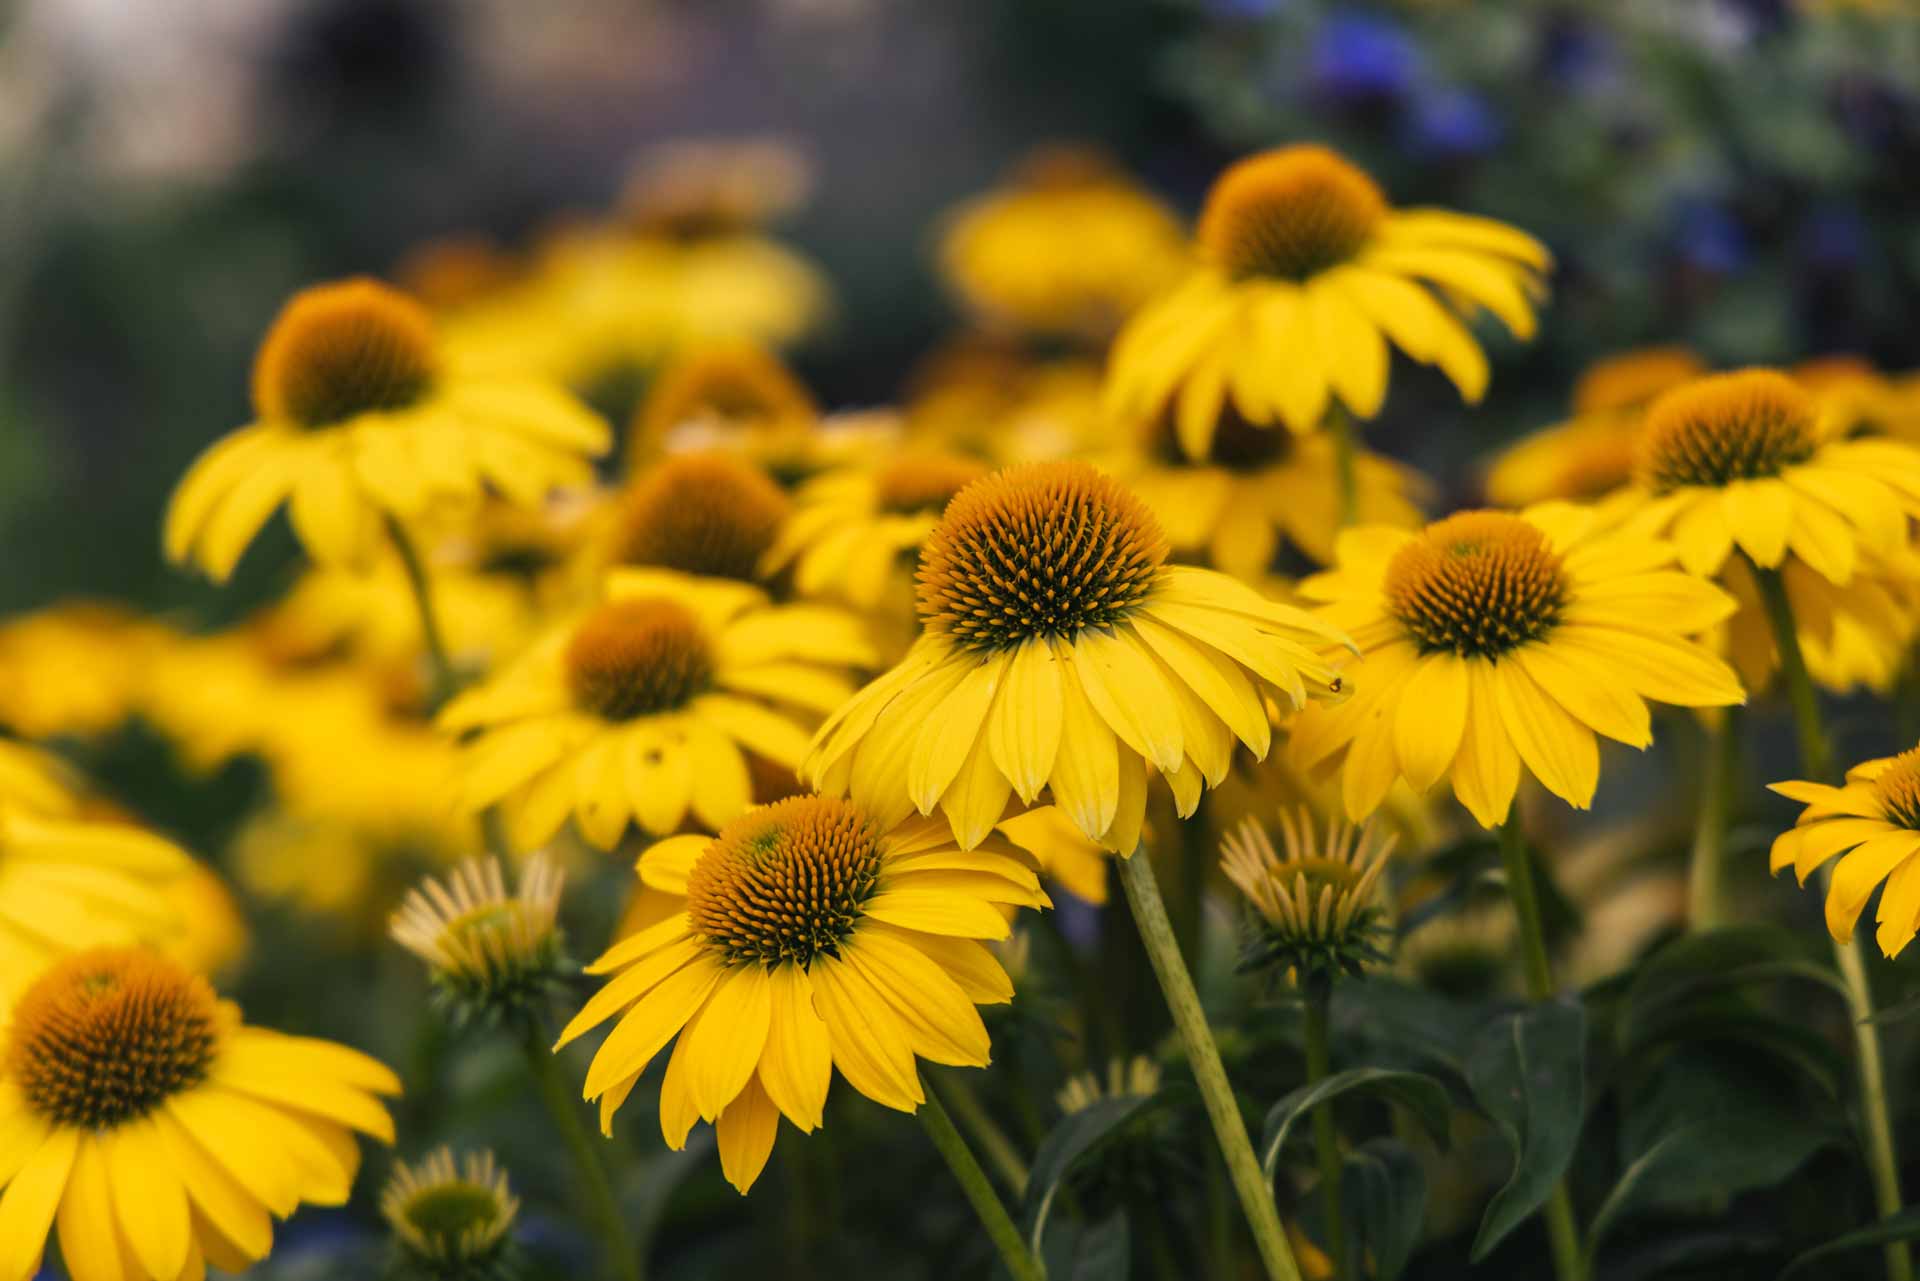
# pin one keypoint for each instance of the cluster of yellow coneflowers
(856, 692)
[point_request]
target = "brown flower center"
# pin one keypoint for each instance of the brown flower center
(1723, 428)
(338, 351)
(106, 1036)
(1479, 584)
(634, 658)
(1043, 549)
(785, 882)
(1289, 213)
(1899, 790)
(706, 514)
(1237, 445)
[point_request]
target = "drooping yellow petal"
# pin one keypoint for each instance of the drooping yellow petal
(797, 1065)
(728, 1039)
(745, 1133)
(1431, 719)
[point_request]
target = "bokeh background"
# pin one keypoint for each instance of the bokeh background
(1742, 176)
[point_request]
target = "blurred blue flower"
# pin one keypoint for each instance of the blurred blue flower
(1244, 9)
(1578, 53)
(1833, 237)
(1707, 237)
(1455, 123)
(1078, 920)
(1360, 57)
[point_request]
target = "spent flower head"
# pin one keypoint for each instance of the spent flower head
(1316, 897)
(452, 1220)
(492, 952)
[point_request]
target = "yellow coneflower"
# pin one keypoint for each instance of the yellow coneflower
(358, 417)
(1855, 398)
(157, 1133)
(1259, 487)
(1061, 652)
(490, 951)
(706, 514)
(1743, 460)
(76, 669)
(1307, 275)
(723, 394)
(646, 707)
(996, 401)
(1851, 635)
(1592, 453)
(36, 782)
(1493, 641)
(853, 534)
(812, 937)
(452, 1220)
(452, 273)
(67, 885)
(1068, 246)
(1317, 896)
(1874, 819)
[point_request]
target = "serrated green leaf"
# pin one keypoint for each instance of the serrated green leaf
(1420, 1095)
(1528, 1073)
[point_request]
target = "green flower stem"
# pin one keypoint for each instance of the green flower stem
(1339, 425)
(1816, 762)
(1229, 1127)
(623, 1260)
(960, 1099)
(1562, 1232)
(1326, 1142)
(980, 1194)
(445, 682)
(1707, 908)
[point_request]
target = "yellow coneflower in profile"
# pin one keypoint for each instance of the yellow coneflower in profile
(1061, 652)
(811, 937)
(854, 533)
(1874, 819)
(1592, 453)
(488, 949)
(1493, 641)
(1258, 488)
(1306, 276)
(358, 418)
(1743, 460)
(646, 708)
(1317, 896)
(721, 394)
(451, 1219)
(1067, 247)
(157, 1133)
(707, 514)
(68, 885)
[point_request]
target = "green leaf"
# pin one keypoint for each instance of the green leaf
(1698, 965)
(1904, 1226)
(1710, 1125)
(1421, 1095)
(1077, 1135)
(1384, 1187)
(1528, 1073)
(1397, 1024)
(1101, 1252)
